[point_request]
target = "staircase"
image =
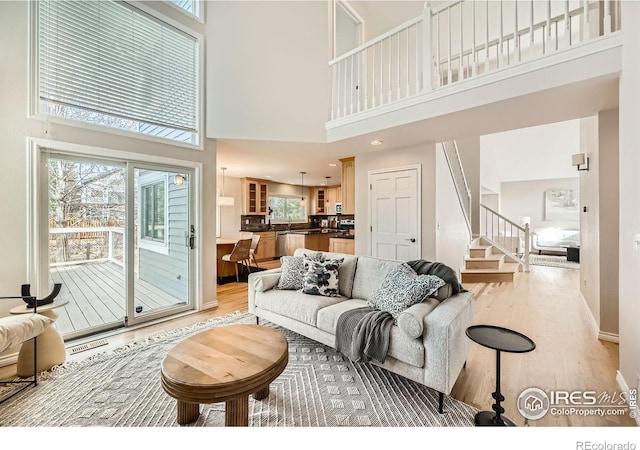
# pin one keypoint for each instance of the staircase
(487, 264)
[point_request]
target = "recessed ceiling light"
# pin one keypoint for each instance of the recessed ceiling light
(333, 165)
(267, 176)
(376, 142)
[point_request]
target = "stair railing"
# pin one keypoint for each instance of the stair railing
(459, 180)
(509, 237)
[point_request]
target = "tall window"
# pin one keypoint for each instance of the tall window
(153, 211)
(109, 63)
(287, 208)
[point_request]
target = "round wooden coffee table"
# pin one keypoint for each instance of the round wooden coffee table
(225, 364)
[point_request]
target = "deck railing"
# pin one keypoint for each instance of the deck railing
(84, 245)
(460, 40)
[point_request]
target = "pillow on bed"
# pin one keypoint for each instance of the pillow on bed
(403, 287)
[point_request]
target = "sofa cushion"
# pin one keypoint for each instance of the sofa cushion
(293, 304)
(403, 287)
(401, 346)
(321, 277)
(369, 275)
(346, 271)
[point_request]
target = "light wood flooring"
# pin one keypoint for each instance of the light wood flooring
(544, 304)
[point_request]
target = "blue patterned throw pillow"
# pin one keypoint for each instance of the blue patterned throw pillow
(321, 277)
(403, 287)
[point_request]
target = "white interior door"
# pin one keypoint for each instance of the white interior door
(395, 214)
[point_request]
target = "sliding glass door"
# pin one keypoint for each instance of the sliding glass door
(120, 240)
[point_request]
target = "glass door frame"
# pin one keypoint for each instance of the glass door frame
(38, 215)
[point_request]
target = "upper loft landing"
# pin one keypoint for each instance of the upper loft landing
(477, 60)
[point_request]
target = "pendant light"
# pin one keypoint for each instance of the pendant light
(221, 200)
(302, 202)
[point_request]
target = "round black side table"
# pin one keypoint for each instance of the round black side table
(501, 340)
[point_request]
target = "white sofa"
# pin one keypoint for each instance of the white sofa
(554, 240)
(428, 344)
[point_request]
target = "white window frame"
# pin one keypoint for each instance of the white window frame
(335, 4)
(35, 110)
(143, 241)
(199, 17)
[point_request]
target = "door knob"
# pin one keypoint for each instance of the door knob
(412, 239)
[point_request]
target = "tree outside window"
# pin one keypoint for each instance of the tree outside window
(287, 209)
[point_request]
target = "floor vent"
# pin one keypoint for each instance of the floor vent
(87, 346)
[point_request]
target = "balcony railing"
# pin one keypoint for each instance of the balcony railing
(458, 41)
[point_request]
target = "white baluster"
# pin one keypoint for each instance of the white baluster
(365, 87)
(531, 33)
(500, 38)
(549, 43)
(461, 65)
(426, 48)
(346, 88)
(449, 46)
(373, 76)
(516, 34)
(398, 67)
(407, 66)
(351, 86)
(438, 62)
(381, 73)
(334, 82)
(358, 87)
(607, 17)
(390, 65)
(486, 44)
(567, 25)
(474, 69)
(585, 21)
(417, 64)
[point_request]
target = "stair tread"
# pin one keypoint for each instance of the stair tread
(506, 268)
(480, 246)
(491, 257)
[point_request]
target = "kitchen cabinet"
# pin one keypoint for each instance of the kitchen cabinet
(319, 196)
(312, 241)
(341, 245)
(331, 197)
(295, 241)
(266, 250)
(348, 186)
(255, 196)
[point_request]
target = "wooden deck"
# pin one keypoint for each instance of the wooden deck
(96, 296)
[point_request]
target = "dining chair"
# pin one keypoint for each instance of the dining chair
(255, 240)
(239, 254)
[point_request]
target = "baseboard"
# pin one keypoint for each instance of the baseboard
(624, 387)
(592, 319)
(609, 337)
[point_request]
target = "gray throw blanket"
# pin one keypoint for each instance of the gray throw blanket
(440, 270)
(362, 334)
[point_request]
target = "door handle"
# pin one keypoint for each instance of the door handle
(412, 239)
(190, 238)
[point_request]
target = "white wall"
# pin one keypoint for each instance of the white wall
(230, 215)
(452, 234)
(470, 155)
(526, 198)
(535, 153)
(630, 196)
(382, 16)
(267, 71)
(15, 127)
(365, 162)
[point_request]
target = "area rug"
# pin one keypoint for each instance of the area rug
(553, 261)
(318, 388)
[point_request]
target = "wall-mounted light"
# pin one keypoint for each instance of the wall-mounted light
(178, 179)
(302, 202)
(580, 159)
(221, 200)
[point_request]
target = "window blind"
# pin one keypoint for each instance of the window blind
(112, 58)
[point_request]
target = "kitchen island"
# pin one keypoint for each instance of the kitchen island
(313, 239)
